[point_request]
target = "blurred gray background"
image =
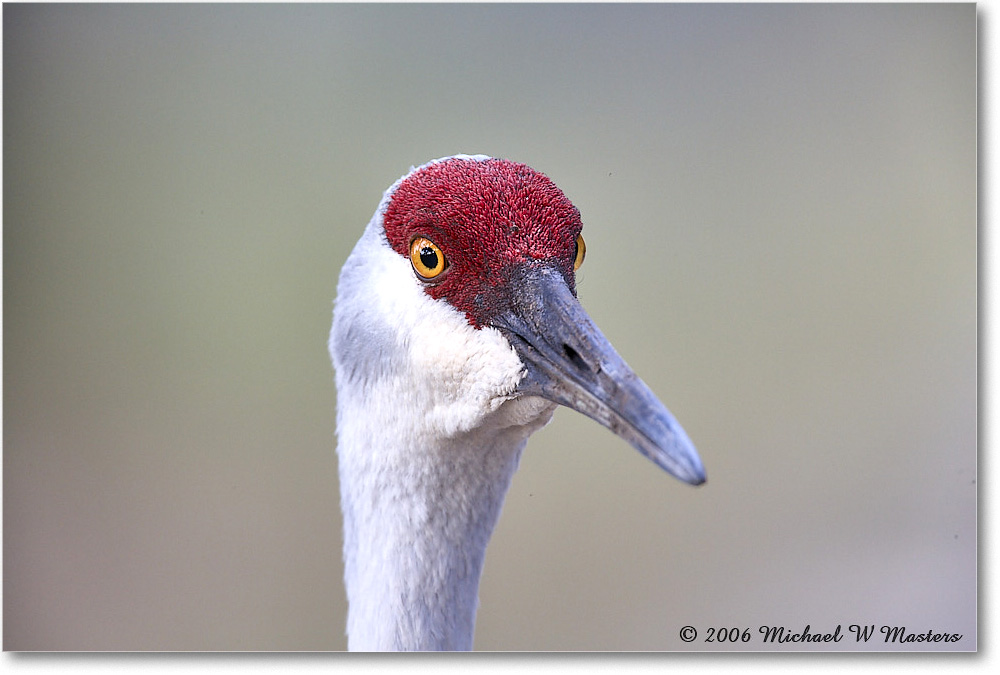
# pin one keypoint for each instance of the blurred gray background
(780, 212)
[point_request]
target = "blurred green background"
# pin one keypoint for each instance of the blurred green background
(780, 211)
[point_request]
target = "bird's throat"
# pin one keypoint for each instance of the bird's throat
(417, 521)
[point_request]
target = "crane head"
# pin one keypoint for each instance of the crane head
(499, 244)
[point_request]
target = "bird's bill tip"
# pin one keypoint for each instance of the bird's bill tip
(691, 471)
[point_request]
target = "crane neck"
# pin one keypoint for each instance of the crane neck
(417, 521)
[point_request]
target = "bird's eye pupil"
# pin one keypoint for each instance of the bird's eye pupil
(428, 257)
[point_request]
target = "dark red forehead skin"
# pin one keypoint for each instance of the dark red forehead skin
(488, 217)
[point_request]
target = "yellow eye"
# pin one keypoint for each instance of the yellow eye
(581, 252)
(427, 259)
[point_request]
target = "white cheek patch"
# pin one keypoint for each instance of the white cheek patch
(469, 372)
(460, 373)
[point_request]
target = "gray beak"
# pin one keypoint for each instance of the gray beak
(570, 362)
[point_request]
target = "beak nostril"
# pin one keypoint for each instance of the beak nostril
(575, 358)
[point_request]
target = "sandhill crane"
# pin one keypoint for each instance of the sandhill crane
(456, 333)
